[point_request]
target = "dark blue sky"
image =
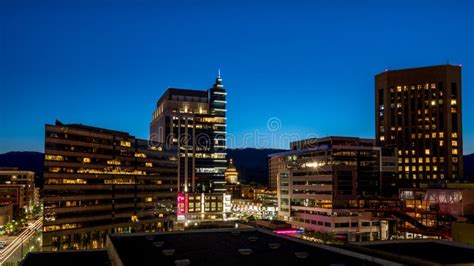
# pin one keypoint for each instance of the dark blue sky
(311, 64)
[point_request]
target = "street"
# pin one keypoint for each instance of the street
(14, 244)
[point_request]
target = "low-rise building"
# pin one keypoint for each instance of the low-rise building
(196, 208)
(24, 179)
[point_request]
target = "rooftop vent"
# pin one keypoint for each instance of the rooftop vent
(158, 244)
(245, 251)
(184, 262)
(274, 245)
(302, 255)
(168, 252)
(253, 238)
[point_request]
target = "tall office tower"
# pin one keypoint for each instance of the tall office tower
(195, 121)
(419, 112)
(99, 181)
(325, 185)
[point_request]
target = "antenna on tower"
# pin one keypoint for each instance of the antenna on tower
(219, 73)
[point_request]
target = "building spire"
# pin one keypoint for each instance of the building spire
(218, 83)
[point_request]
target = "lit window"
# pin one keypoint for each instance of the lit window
(455, 151)
(86, 160)
(113, 162)
(454, 134)
(433, 103)
(454, 143)
(434, 134)
(382, 138)
(427, 152)
(148, 164)
(441, 143)
(148, 199)
(54, 157)
(441, 134)
(453, 102)
(124, 143)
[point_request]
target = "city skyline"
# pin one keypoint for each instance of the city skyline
(283, 69)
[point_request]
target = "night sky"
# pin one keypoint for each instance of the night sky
(308, 66)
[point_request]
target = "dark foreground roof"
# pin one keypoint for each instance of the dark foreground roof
(418, 251)
(221, 247)
(67, 258)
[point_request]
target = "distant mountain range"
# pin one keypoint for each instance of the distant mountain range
(26, 161)
(252, 164)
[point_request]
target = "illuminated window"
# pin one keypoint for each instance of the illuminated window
(441, 143)
(433, 85)
(454, 143)
(441, 134)
(113, 162)
(427, 152)
(441, 159)
(86, 160)
(427, 159)
(455, 159)
(125, 143)
(453, 102)
(148, 164)
(455, 151)
(54, 157)
(433, 134)
(454, 134)
(382, 138)
(453, 110)
(433, 103)
(140, 155)
(420, 160)
(148, 199)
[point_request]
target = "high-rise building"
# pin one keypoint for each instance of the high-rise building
(195, 121)
(99, 181)
(325, 185)
(419, 111)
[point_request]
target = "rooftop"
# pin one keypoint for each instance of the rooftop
(418, 251)
(69, 258)
(229, 247)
